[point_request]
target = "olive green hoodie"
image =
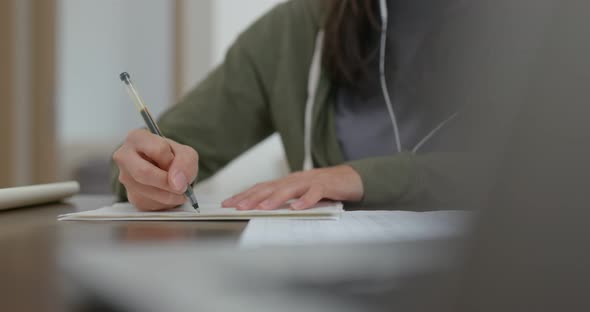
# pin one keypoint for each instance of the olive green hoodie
(262, 88)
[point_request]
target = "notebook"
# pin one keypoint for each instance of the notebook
(209, 211)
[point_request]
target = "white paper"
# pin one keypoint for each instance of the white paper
(36, 194)
(208, 211)
(356, 226)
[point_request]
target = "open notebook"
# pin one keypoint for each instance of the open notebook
(125, 211)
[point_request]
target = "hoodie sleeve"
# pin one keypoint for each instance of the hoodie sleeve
(429, 180)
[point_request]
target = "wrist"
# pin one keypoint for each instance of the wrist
(353, 183)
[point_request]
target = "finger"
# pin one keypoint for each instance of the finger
(141, 170)
(255, 198)
(153, 147)
(309, 199)
(145, 204)
(157, 195)
(236, 199)
(282, 195)
(184, 166)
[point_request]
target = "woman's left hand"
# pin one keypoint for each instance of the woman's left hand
(340, 183)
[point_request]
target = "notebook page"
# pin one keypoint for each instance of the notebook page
(208, 211)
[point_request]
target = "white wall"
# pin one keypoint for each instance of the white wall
(231, 17)
(196, 41)
(97, 41)
(211, 27)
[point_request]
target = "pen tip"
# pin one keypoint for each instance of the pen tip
(125, 77)
(196, 206)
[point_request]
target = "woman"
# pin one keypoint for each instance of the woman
(338, 80)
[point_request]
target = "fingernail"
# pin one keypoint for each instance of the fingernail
(243, 205)
(179, 182)
(297, 205)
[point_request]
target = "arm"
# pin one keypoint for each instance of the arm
(407, 181)
(424, 180)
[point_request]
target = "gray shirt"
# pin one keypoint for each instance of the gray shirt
(363, 125)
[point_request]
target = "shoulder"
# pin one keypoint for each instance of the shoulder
(287, 18)
(284, 38)
(310, 10)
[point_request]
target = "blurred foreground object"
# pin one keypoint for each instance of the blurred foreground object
(531, 252)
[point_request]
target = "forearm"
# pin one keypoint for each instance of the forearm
(429, 181)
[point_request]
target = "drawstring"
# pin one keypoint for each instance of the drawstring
(312, 88)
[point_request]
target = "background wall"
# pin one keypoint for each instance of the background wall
(210, 27)
(231, 17)
(27, 92)
(97, 41)
(6, 93)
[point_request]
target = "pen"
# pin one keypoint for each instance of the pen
(151, 124)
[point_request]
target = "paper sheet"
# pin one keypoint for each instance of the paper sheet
(209, 211)
(36, 194)
(356, 226)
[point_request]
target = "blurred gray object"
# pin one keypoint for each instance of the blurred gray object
(94, 176)
(196, 277)
(531, 252)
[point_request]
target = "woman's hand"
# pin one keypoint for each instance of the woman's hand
(309, 187)
(154, 170)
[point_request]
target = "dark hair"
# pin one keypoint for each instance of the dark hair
(349, 45)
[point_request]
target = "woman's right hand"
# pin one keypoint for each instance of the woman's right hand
(154, 170)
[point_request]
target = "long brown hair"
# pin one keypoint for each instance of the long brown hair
(348, 46)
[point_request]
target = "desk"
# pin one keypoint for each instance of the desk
(31, 237)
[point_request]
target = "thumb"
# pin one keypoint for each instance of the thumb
(184, 167)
